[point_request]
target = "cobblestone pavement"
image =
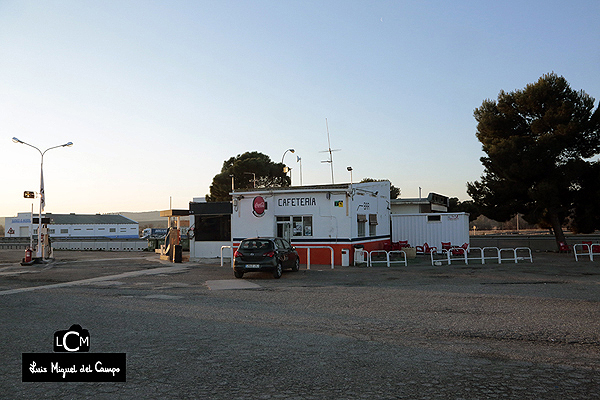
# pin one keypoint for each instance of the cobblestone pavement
(509, 331)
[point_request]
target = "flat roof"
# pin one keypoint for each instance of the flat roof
(175, 213)
(339, 186)
(88, 219)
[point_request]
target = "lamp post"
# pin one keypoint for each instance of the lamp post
(351, 183)
(253, 178)
(282, 157)
(299, 160)
(39, 253)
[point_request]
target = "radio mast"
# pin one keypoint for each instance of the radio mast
(330, 161)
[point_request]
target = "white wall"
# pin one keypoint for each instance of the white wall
(452, 227)
(205, 249)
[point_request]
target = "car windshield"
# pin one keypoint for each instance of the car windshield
(256, 244)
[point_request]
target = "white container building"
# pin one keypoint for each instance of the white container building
(431, 228)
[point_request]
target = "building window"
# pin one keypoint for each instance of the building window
(101, 229)
(64, 230)
(50, 231)
(212, 228)
(113, 229)
(123, 229)
(434, 218)
(301, 224)
(372, 224)
(362, 221)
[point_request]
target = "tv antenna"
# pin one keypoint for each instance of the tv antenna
(330, 161)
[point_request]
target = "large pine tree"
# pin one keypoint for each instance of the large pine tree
(539, 142)
(244, 168)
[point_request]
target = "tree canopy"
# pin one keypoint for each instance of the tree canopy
(468, 206)
(539, 142)
(245, 168)
(394, 191)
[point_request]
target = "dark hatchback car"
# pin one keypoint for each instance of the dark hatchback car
(265, 254)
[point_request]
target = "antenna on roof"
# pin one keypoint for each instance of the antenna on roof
(330, 161)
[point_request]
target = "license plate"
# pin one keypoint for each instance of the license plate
(252, 266)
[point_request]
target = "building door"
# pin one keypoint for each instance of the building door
(284, 230)
(23, 231)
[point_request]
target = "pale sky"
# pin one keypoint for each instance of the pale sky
(155, 95)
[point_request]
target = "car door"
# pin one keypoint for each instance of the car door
(289, 252)
(282, 253)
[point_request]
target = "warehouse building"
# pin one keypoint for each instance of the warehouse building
(112, 226)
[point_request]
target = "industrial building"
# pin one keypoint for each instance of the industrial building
(112, 226)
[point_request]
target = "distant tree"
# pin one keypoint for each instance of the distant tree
(242, 167)
(394, 191)
(468, 206)
(539, 142)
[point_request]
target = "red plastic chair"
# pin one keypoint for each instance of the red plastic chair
(564, 248)
(425, 249)
(459, 251)
(402, 244)
(593, 248)
(446, 245)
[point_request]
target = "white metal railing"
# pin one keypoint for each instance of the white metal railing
(459, 252)
(227, 247)
(590, 250)
(436, 260)
(388, 261)
(482, 252)
(370, 260)
(447, 256)
(316, 247)
(401, 252)
(515, 254)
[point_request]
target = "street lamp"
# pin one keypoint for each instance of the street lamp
(282, 157)
(253, 178)
(299, 160)
(39, 253)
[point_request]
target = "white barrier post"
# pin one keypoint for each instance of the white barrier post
(397, 252)
(527, 257)
(227, 247)
(370, 257)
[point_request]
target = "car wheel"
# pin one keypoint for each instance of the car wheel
(238, 274)
(296, 266)
(277, 271)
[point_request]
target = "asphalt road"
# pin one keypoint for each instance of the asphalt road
(509, 331)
